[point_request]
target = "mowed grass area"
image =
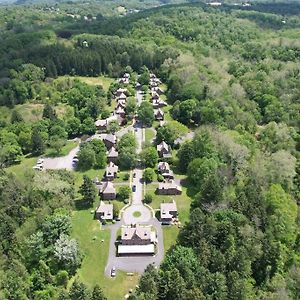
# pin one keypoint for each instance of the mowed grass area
(149, 135)
(100, 80)
(89, 235)
(64, 150)
(30, 112)
(170, 235)
(183, 201)
(24, 167)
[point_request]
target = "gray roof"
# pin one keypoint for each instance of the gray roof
(162, 145)
(106, 210)
(111, 138)
(138, 232)
(108, 187)
(169, 185)
(163, 166)
(111, 169)
(112, 152)
(166, 208)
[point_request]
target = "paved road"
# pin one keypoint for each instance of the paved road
(136, 263)
(63, 162)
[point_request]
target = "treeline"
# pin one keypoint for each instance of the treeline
(100, 55)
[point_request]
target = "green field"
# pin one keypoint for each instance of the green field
(100, 80)
(149, 135)
(94, 243)
(64, 151)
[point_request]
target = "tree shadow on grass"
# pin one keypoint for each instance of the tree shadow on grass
(81, 204)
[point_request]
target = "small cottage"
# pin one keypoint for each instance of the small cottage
(104, 211)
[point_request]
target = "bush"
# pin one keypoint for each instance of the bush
(160, 178)
(148, 198)
(126, 176)
(124, 193)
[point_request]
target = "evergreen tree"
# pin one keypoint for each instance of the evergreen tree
(98, 294)
(88, 190)
(79, 291)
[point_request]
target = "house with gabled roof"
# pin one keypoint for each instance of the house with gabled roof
(168, 212)
(112, 155)
(107, 191)
(110, 141)
(104, 211)
(169, 188)
(120, 91)
(164, 150)
(101, 125)
(111, 171)
(159, 114)
(165, 170)
(122, 97)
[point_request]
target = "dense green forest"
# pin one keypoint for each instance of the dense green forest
(232, 76)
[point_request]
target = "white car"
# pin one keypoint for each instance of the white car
(40, 161)
(113, 272)
(38, 167)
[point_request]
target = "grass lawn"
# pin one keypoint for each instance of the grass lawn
(122, 177)
(136, 214)
(183, 201)
(89, 236)
(30, 112)
(149, 135)
(25, 166)
(64, 151)
(100, 80)
(170, 235)
(90, 173)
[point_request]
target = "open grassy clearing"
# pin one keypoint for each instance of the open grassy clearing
(100, 80)
(64, 151)
(170, 235)
(149, 135)
(24, 167)
(30, 112)
(94, 243)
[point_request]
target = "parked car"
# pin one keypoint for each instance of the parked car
(113, 272)
(40, 161)
(38, 167)
(134, 188)
(134, 175)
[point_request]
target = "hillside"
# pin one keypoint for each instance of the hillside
(149, 151)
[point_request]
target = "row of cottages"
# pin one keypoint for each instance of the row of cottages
(154, 81)
(121, 102)
(164, 169)
(169, 188)
(168, 212)
(164, 150)
(125, 79)
(137, 240)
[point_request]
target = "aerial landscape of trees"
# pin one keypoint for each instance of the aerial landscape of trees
(232, 79)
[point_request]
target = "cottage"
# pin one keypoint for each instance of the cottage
(121, 103)
(104, 211)
(157, 90)
(169, 188)
(126, 75)
(111, 171)
(110, 141)
(120, 91)
(107, 191)
(120, 111)
(168, 211)
(164, 150)
(122, 97)
(159, 115)
(124, 80)
(164, 169)
(155, 96)
(158, 103)
(112, 155)
(101, 125)
(152, 76)
(137, 240)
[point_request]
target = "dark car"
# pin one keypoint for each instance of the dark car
(134, 175)
(134, 188)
